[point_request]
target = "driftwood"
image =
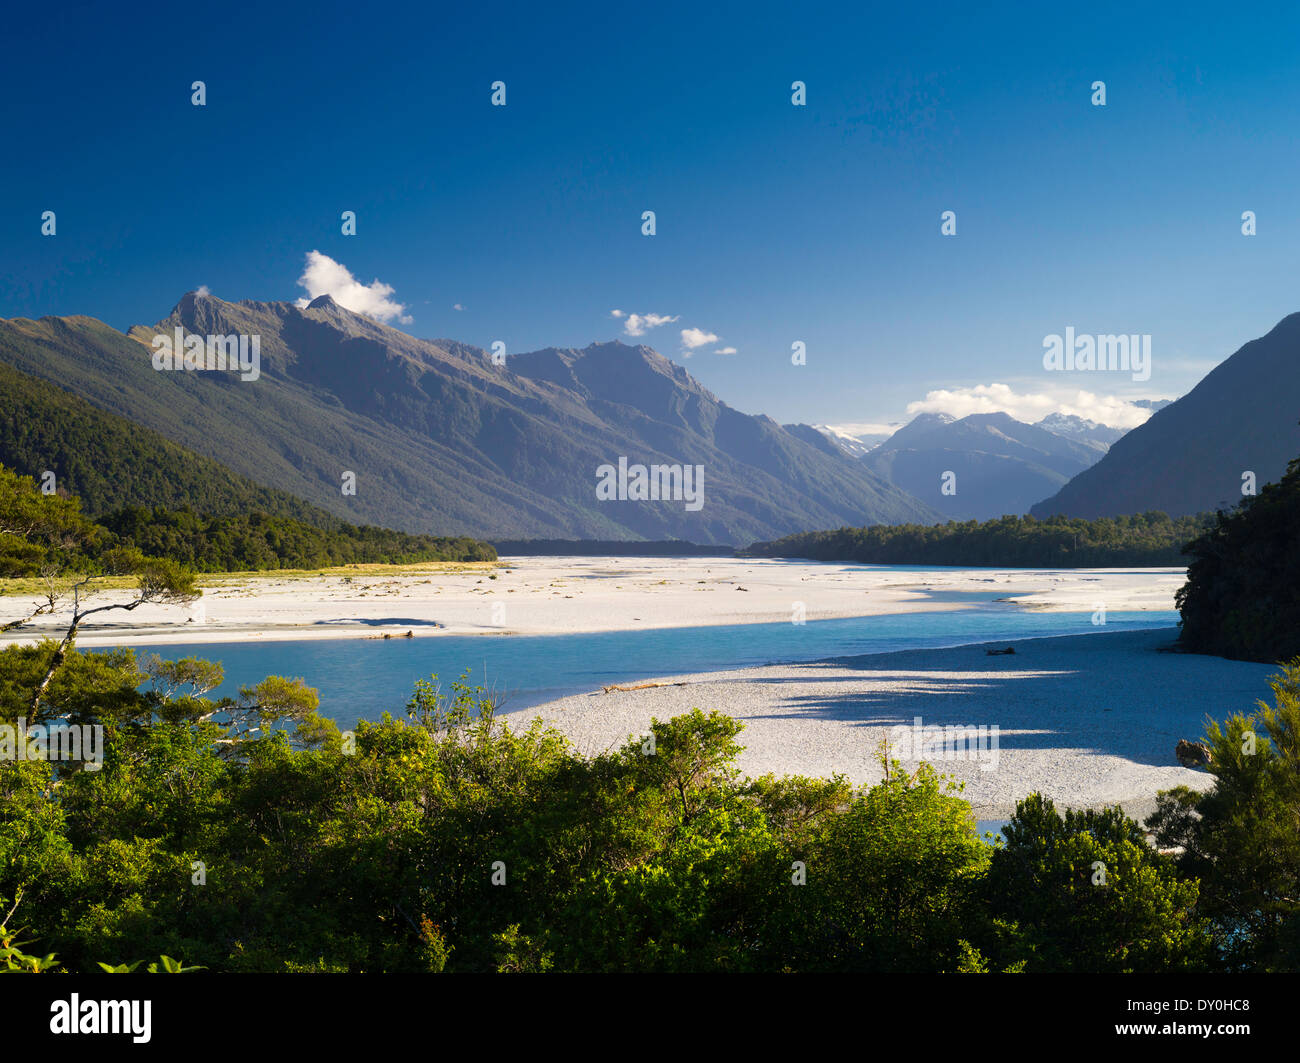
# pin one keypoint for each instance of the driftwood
(638, 686)
(1193, 754)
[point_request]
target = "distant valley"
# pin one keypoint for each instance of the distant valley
(984, 465)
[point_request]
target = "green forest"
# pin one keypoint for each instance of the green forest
(167, 501)
(1242, 596)
(249, 834)
(40, 531)
(109, 462)
(1146, 540)
(256, 541)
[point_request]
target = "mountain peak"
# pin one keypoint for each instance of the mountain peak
(1081, 430)
(190, 300)
(611, 370)
(1065, 420)
(618, 347)
(323, 302)
(995, 417)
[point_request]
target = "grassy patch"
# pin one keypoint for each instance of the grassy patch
(28, 586)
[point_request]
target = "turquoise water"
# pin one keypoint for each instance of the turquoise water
(362, 678)
(991, 826)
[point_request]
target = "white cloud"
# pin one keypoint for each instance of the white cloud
(202, 289)
(725, 350)
(457, 306)
(1030, 406)
(640, 324)
(694, 337)
(324, 276)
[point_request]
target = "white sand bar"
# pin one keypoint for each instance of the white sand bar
(551, 595)
(1087, 720)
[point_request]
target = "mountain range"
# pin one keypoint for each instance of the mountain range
(1192, 455)
(1090, 433)
(440, 439)
(855, 443)
(986, 465)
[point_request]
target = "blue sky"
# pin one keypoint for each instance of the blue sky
(775, 223)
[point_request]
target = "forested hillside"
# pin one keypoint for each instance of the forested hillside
(1148, 539)
(153, 494)
(38, 531)
(1242, 597)
(110, 463)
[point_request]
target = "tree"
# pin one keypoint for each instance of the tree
(892, 879)
(1240, 838)
(161, 582)
(1242, 595)
(1087, 893)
